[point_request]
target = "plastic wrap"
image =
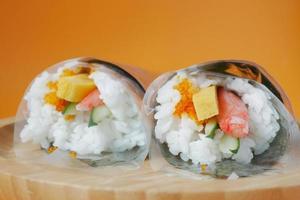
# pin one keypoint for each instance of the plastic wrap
(283, 154)
(127, 159)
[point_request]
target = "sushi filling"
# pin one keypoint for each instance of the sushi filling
(83, 111)
(205, 119)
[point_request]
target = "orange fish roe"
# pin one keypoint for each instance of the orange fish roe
(186, 105)
(52, 85)
(61, 104)
(51, 149)
(52, 99)
(69, 117)
(72, 154)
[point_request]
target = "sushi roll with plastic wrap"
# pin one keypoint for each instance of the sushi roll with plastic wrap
(217, 118)
(87, 108)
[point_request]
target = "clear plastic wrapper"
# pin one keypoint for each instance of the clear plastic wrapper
(54, 131)
(282, 153)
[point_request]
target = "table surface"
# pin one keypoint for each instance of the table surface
(19, 180)
(155, 35)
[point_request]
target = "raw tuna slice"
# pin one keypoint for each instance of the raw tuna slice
(233, 115)
(90, 101)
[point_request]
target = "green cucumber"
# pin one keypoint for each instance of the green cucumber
(70, 109)
(91, 122)
(229, 144)
(210, 128)
(98, 114)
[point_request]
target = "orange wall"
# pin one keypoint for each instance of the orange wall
(158, 35)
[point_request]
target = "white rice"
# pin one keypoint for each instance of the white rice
(186, 139)
(123, 131)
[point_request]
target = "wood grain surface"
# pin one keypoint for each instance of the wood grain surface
(19, 180)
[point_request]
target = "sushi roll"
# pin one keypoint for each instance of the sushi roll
(219, 118)
(87, 108)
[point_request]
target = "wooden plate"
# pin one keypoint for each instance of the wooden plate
(28, 181)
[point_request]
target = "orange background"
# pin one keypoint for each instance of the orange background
(157, 35)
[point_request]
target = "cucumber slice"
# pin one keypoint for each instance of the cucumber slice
(70, 109)
(229, 144)
(98, 114)
(91, 122)
(210, 128)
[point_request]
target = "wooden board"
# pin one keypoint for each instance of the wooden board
(20, 181)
